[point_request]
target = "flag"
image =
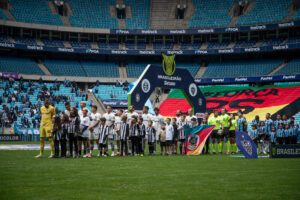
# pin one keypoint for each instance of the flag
(279, 99)
(246, 145)
(195, 138)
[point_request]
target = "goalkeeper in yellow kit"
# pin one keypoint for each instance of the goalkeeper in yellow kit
(47, 113)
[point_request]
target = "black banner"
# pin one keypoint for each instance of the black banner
(285, 151)
(10, 137)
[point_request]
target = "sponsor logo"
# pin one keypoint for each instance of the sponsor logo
(147, 52)
(259, 27)
(231, 29)
(281, 47)
(266, 78)
(241, 79)
(217, 80)
(289, 77)
(205, 30)
(177, 31)
(201, 52)
(193, 89)
(252, 49)
(123, 103)
(146, 86)
(118, 51)
(149, 31)
(247, 146)
(66, 49)
(92, 51)
(175, 52)
(225, 50)
(286, 24)
(7, 45)
(34, 47)
(122, 32)
(168, 64)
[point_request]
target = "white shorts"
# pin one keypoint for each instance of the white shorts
(94, 135)
(85, 134)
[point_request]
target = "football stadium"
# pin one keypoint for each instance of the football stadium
(149, 99)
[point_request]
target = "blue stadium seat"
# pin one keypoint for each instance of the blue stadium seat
(108, 92)
(2, 15)
(19, 65)
(140, 10)
(134, 70)
(266, 12)
(92, 14)
(34, 11)
(211, 13)
(64, 67)
(53, 43)
(243, 68)
(100, 69)
(292, 67)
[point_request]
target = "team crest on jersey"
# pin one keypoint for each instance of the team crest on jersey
(168, 64)
(193, 89)
(193, 142)
(247, 146)
(146, 86)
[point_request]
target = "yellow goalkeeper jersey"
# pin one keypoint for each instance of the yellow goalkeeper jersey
(47, 115)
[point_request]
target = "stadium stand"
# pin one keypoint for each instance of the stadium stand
(92, 14)
(4, 39)
(135, 69)
(292, 67)
(26, 41)
(2, 15)
(242, 44)
(53, 43)
(63, 68)
(29, 96)
(266, 12)
(211, 13)
(19, 65)
(244, 68)
(296, 16)
(108, 92)
(100, 69)
(140, 10)
(34, 11)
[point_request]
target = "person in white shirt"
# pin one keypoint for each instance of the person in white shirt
(110, 120)
(131, 113)
(157, 122)
(169, 136)
(190, 116)
(82, 107)
(146, 118)
(118, 122)
(95, 120)
(84, 132)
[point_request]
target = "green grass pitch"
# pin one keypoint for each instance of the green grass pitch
(149, 177)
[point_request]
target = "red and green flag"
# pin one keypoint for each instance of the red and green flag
(195, 138)
(280, 99)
